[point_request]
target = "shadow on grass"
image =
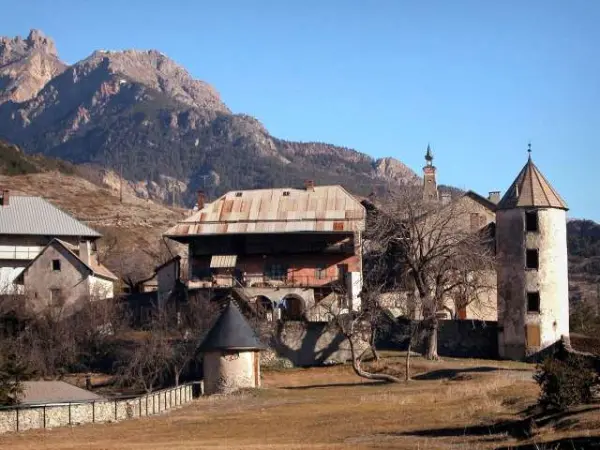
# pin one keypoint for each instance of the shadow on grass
(592, 442)
(452, 373)
(518, 428)
(328, 385)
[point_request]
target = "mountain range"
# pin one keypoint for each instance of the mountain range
(168, 134)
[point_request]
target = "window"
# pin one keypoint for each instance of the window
(338, 226)
(531, 221)
(276, 271)
(532, 260)
(286, 193)
(55, 297)
(56, 264)
(533, 302)
(320, 272)
(238, 194)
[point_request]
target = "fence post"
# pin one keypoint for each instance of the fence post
(115, 410)
(140, 405)
(93, 412)
(44, 409)
(69, 413)
(17, 418)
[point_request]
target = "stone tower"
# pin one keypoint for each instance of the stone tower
(533, 286)
(430, 191)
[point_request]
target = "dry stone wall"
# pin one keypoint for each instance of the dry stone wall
(68, 414)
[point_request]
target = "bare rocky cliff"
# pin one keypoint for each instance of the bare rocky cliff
(140, 114)
(26, 65)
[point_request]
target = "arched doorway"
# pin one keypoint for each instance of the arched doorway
(264, 307)
(293, 307)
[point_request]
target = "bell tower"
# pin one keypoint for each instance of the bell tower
(533, 284)
(430, 191)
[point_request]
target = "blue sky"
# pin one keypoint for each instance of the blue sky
(477, 79)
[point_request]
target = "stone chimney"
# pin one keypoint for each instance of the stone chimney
(85, 252)
(4, 197)
(201, 200)
(309, 185)
(446, 197)
(494, 196)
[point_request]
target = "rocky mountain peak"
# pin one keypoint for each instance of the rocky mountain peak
(157, 71)
(26, 65)
(15, 48)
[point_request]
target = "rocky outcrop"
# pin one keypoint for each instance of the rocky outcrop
(26, 65)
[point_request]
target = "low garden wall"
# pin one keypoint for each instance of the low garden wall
(28, 417)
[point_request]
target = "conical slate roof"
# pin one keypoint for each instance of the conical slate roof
(531, 189)
(231, 331)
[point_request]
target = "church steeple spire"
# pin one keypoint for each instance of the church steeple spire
(430, 191)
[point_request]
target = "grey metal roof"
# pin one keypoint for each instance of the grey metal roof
(40, 392)
(231, 331)
(36, 216)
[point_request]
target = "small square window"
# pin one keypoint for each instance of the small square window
(320, 272)
(238, 194)
(286, 193)
(531, 221)
(532, 260)
(533, 302)
(56, 264)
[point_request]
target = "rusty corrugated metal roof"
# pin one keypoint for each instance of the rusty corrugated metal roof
(531, 189)
(283, 210)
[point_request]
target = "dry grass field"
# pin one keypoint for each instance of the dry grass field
(456, 403)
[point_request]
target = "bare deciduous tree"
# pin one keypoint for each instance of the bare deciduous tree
(431, 251)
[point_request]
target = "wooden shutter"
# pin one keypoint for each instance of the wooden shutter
(533, 335)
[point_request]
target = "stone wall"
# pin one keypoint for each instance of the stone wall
(312, 343)
(28, 417)
(456, 338)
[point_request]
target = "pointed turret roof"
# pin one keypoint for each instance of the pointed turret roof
(231, 331)
(428, 154)
(531, 189)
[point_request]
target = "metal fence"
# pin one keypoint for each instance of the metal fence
(52, 415)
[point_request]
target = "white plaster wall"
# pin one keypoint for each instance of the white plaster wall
(551, 280)
(101, 288)
(226, 372)
(354, 286)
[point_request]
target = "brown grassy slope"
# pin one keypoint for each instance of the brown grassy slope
(138, 222)
(456, 404)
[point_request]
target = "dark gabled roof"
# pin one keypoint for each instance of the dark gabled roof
(231, 331)
(531, 190)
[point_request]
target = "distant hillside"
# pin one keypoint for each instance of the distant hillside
(584, 261)
(14, 162)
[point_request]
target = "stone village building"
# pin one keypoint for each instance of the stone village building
(281, 250)
(47, 255)
(288, 248)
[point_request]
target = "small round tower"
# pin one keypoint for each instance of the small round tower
(231, 354)
(533, 285)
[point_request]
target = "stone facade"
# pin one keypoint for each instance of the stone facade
(59, 415)
(228, 370)
(526, 329)
(313, 343)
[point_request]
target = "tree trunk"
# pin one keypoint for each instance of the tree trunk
(372, 344)
(432, 340)
(176, 378)
(356, 360)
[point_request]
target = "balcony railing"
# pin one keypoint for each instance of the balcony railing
(263, 280)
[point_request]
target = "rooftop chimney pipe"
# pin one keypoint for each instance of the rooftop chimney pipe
(4, 197)
(494, 196)
(201, 200)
